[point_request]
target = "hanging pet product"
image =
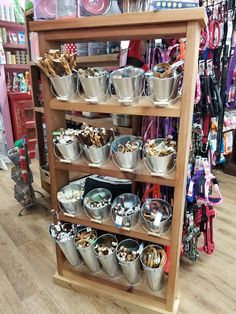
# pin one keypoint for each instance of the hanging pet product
(63, 234)
(128, 84)
(14, 156)
(128, 252)
(156, 216)
(105, 249)
(153, 259)
(163, 84)
(66, 141)
(125, 210)
(70, 198)
(59, 68)
(126, 152)
(97, 204)
(160, 156)
(84, 241)
(95, 84)
(96, 144)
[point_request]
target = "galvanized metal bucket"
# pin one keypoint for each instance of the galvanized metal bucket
(65, 87)
(130, 200)
(128, 84)
(109, 262)
(160, 164)
(153, 276)
(129, 160)
(99, 213)
(73, 208)
(69, 250)
(69, 151)
(89, 255)
(163, 91)
(95, 88)
(131, 270)
(97, 155)
(164, 224)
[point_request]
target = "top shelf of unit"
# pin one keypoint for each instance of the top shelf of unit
(12, 25)
(165, 23)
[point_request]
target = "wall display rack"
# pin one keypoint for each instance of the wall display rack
(164, 24)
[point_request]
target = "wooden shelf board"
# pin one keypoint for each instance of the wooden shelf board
(143, 108)
(138, 20)
(16, 67)
(136, 232)
(141, 174)
(14, 46)
(12, 25)
(136, 298)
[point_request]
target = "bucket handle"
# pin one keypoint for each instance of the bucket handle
(83, 154)
(125, 101)
(90, 100)
(169, 98)
(69, 97)
(55, 153)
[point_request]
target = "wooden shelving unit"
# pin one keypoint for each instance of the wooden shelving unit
(21, 67)
(14, 46)
(170, 23)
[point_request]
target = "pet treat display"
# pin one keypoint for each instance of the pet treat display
(126, 254)
(106, 247)
(85, 238)
(97, 137)
(91, 72)
(129, 147)
(63, 231)
(153, 257)
(65, 136)
(56, 63)
(98, 199)
(123, 209)
(71, 196)
(154, 207)
(165, 148)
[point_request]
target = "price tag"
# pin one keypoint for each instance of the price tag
(140, 248)
(118, 221)
(89, 229)
(157, 220)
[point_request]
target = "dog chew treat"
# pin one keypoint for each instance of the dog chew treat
(153, 257)
(97, 137)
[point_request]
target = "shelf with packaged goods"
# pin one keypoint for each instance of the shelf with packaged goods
(142, 108)
(12, 25)
(20, 67)
(140, 174)
(136, 232)
(14, 46)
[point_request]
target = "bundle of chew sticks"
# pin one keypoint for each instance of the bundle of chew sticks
(98, 137)
(54, 63)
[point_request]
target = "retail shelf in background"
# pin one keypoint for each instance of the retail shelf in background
(14, 46)
(22, 67)
(12, 25)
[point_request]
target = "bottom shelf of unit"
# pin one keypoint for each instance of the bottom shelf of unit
(136, 298)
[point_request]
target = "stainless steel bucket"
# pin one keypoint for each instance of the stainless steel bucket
(122, 120)
(128, 83)
(73, 208)
(95, 88)
(160, 164)
(64, 86)
(163, 90)
(69, 250)
(99, 213)
(97, 155)
(130, 200)
(164, 224)
(131, 270)
(109, 262)
(154, 276)
(69, 151)
(89, 255)
(129, 160)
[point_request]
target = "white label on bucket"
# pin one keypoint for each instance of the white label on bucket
(118, 221)
(89, 229)
(140, 248)
(157, 219)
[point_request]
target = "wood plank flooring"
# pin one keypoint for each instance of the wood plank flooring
(27, 263)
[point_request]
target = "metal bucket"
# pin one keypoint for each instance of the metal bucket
(160, 164)
(109, 262)
(69, 151)
(131, 270)
(99, 213)
(128, 83)
(97, 155)
(153, 276)
(89, 255)
(129, 160)
(164, 225)
(121, 120)
(73, 208)
(163, 90)
(64, 86)
(69, 250)
(130, 200)
(95, 88)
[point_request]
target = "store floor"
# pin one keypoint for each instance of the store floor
(27, 263)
